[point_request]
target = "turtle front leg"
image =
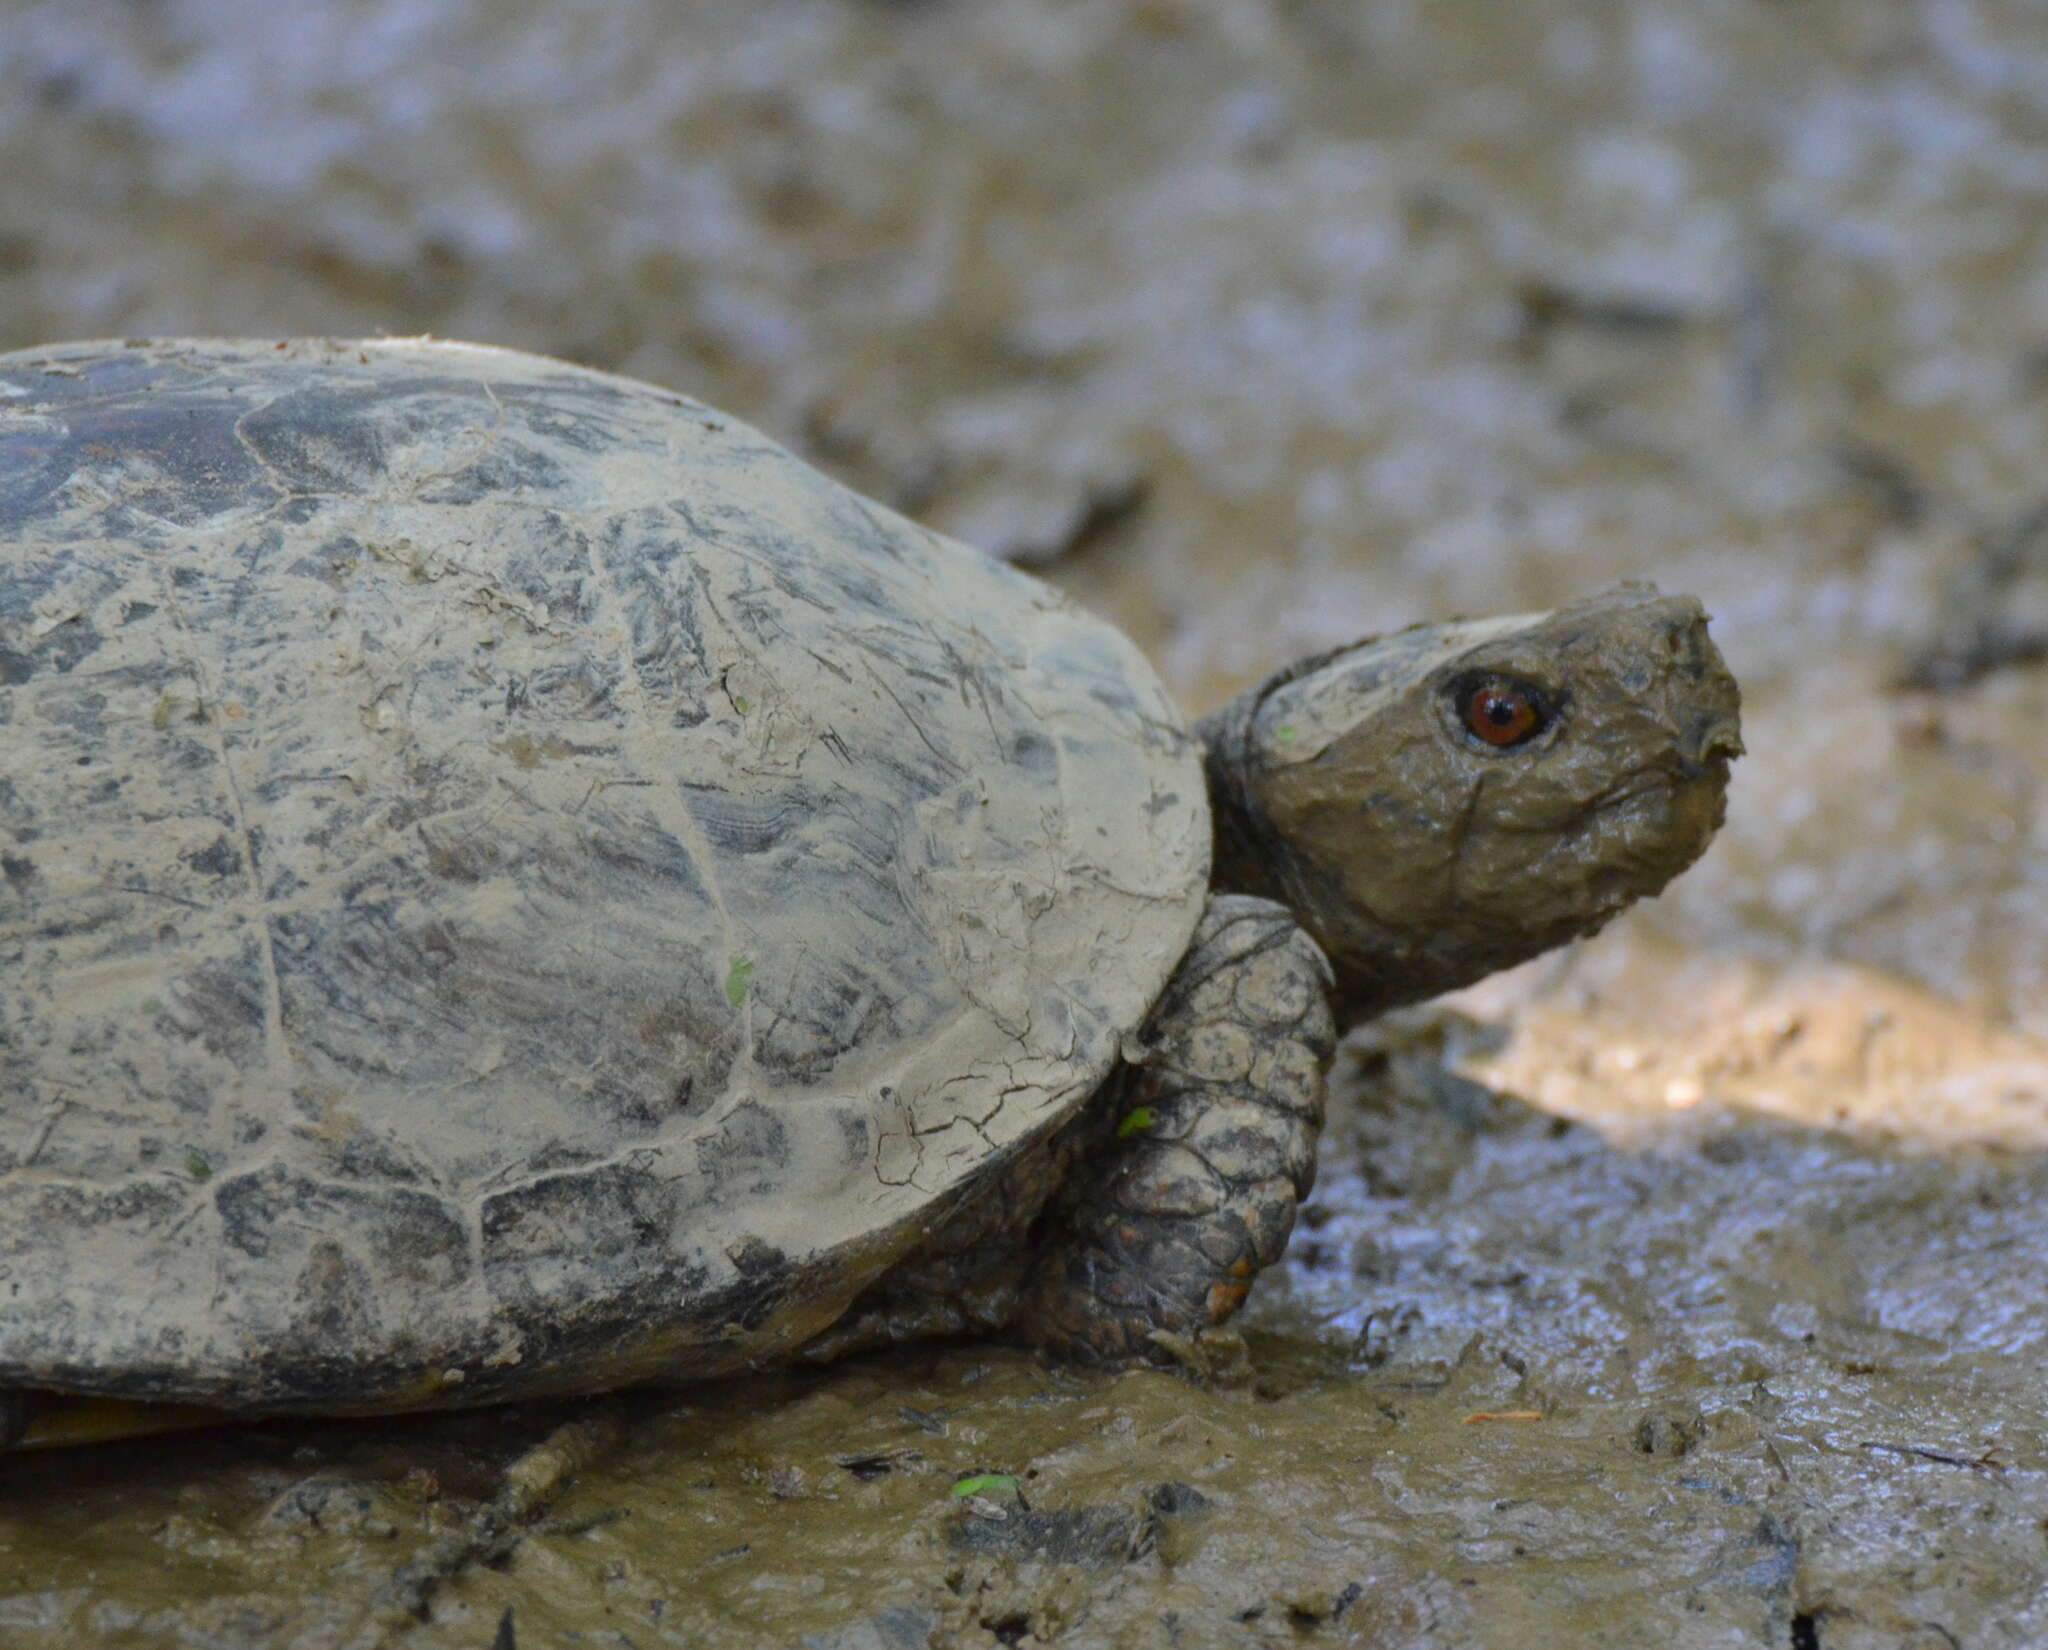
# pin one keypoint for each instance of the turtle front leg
(1202, 1154)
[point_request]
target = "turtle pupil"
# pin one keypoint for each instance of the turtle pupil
(1502, 713)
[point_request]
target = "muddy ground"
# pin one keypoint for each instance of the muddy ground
(1686, 1289)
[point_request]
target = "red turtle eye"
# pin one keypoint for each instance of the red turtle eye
(1502, 713)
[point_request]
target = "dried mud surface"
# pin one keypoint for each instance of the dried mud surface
(1682, 1289)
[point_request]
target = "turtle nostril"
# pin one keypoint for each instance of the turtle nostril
(1685, 640)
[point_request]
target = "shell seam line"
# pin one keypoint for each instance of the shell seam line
(687, 828)
(273, 1006)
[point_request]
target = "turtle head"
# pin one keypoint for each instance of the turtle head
(1452, 799)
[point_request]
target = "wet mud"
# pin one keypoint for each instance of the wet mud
(1682, 1288)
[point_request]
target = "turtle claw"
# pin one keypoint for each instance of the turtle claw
(1211, 1357)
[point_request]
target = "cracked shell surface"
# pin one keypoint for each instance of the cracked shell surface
(513, 882)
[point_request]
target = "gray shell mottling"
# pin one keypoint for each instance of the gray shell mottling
(514, 883)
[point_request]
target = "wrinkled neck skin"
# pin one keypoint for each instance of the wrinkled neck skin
(1378, 967)
(1350, 788)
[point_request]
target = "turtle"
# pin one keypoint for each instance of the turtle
(516, 885)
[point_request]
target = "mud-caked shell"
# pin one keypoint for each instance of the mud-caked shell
(514, 883)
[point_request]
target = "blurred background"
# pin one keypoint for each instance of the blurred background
(1258, 325)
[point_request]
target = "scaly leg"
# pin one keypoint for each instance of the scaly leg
(1188, 1188)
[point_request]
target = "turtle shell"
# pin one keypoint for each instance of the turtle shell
(513, 883)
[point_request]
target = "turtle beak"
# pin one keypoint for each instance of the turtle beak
(1709, 736)
(1708, 746)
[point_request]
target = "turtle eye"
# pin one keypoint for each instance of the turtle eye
(1501, 711)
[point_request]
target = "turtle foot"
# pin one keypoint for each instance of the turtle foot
(1205, 1149)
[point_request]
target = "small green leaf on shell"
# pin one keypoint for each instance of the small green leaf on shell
(739, 970)
(1284, 732)
(1136, 1121)
(741, 704)
(985, 1483)
(196, 1165)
